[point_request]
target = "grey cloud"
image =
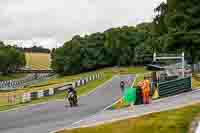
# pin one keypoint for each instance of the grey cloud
(61, 19)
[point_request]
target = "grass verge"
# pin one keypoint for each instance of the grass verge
(108, 72)
(59, 81)
(81, 91)
(47, 84)
(195, 80)
(173, 121)
(12, 76)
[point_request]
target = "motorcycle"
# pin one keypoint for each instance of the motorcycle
(72, 98)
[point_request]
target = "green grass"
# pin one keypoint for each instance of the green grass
(81, 90)
(12, 76)
(195, 80)
(91, 86)
(139, 78)
(130, 70)
(173, 121)
(108, 72)
(63, 79)
(48, 84)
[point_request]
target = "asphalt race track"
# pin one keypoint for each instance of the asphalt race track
(45, 118)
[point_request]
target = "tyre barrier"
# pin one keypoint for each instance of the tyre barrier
(27, 97)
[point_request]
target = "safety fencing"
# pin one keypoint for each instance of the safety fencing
(19, 83)
(13, 98)
(174, 87)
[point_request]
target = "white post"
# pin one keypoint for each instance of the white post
(183, 64)
(154, 56)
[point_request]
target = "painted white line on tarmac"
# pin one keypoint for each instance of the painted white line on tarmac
(86, 95)
(121, 97)
(90, 93)
(103, 109)
(128, 117)
(198, 128)
(93, 90)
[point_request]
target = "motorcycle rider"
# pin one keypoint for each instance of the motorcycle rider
(122, 85)
(72, 90)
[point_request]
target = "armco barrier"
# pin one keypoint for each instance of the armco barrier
(174, 87)
(11, 84)
(26, 97)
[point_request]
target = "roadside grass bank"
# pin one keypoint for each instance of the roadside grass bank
(173, 121)
(61, 80)
(107, 72)
(196, 80)
(81, 91)
(12, 76)
(52, 83)
(130, 70)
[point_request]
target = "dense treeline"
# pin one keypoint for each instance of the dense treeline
(113, 47)
(10, 59)
(175, 28)
(35, 49)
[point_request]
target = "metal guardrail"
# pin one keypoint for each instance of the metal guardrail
(14, 98)
(20, 83)
(35, 71)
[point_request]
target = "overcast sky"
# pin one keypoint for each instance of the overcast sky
(50, 22)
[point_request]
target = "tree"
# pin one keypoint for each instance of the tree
(11, 59)
(175, 28)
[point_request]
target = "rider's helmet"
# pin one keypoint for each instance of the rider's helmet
(121, 83)
(70, 89)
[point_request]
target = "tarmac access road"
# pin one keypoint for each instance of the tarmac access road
(44, 118)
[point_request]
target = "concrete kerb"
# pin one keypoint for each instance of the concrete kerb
(128, 117)
(124, 118)
(58, 100)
